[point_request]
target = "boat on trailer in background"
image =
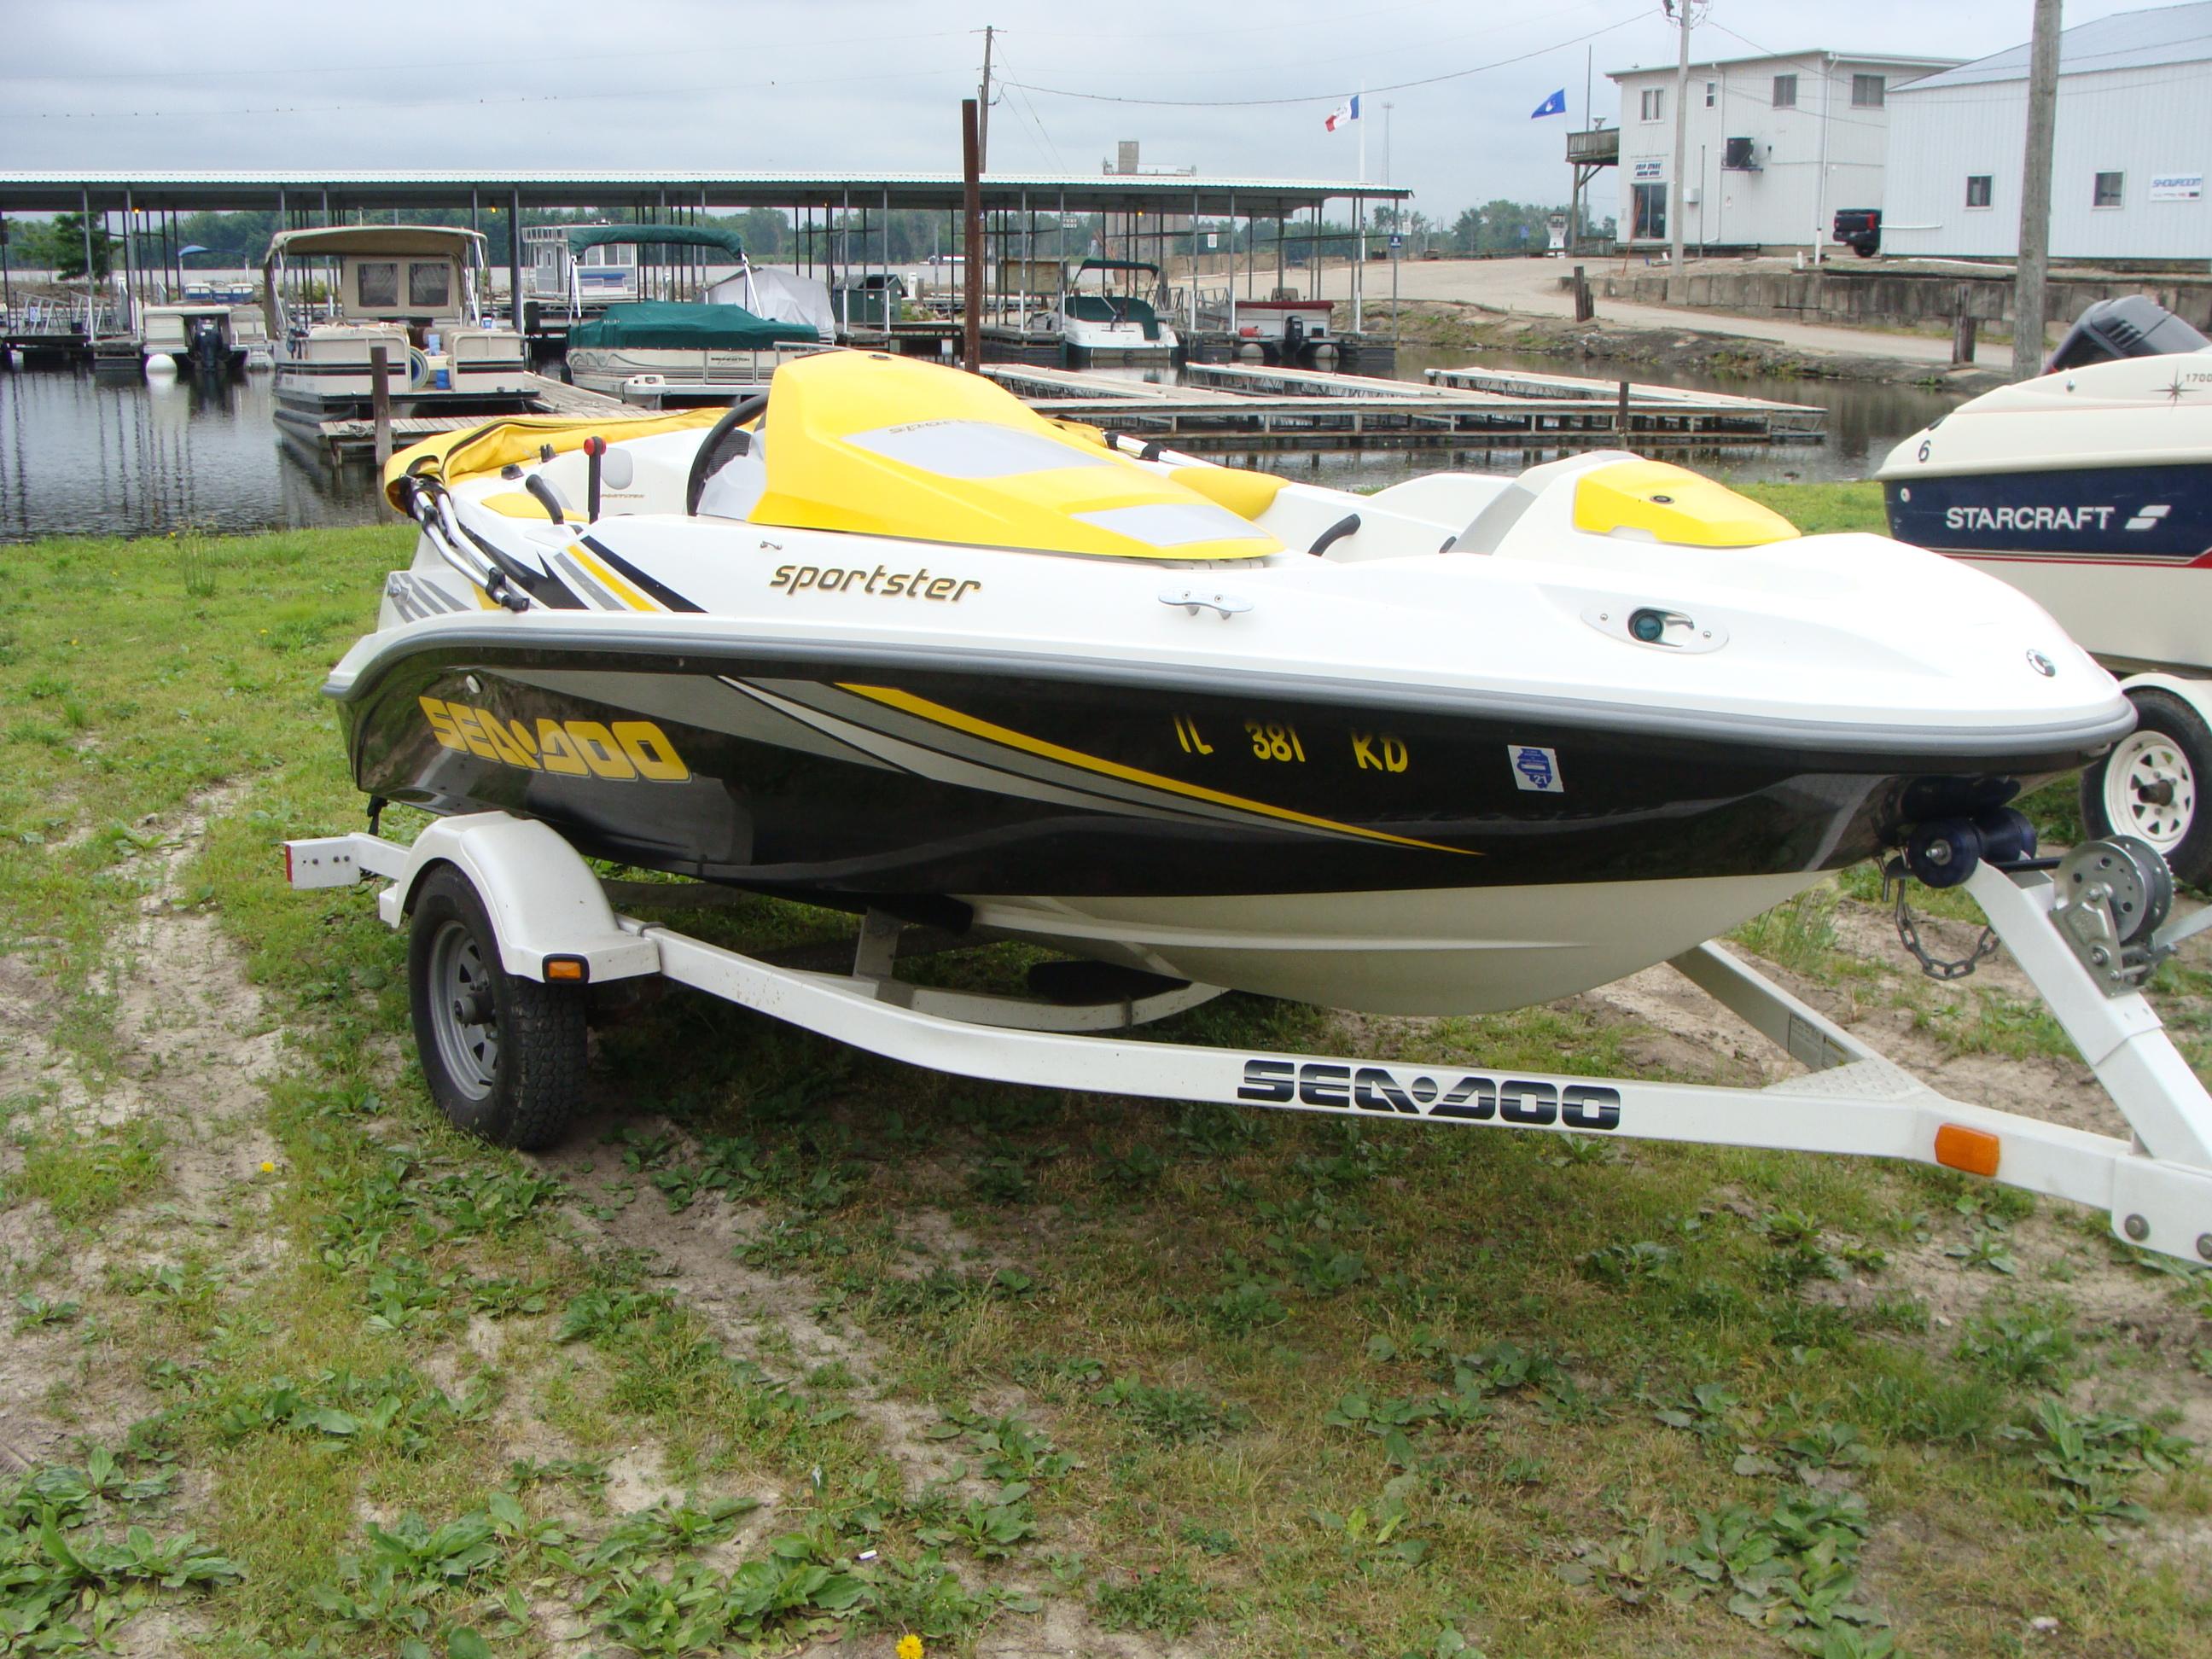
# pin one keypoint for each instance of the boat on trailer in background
(335, 294)
(2089, 489)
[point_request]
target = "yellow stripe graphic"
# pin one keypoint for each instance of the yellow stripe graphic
(937, 712)
(621, 589)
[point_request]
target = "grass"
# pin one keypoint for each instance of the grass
(1264, 1385)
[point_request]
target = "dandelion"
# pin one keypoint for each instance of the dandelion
(910, 1646)
(268, 1168)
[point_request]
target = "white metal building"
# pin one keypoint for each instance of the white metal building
(1775, 146)
(2133, 144)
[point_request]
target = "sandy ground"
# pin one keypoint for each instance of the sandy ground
(1532, 287)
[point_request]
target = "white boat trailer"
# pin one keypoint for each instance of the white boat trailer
(552, 933)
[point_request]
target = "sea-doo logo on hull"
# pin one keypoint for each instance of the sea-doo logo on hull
(625, 750)
(2028, 518)
(1472, 1096)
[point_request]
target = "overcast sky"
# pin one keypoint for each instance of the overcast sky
(875, 85)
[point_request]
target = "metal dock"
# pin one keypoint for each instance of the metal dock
(1244, 406)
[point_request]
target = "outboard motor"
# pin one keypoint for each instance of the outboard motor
(1294, 337)
(210, 352)
(2133, 326)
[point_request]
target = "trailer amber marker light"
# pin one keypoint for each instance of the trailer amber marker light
(1974, 1151)
(573, 970)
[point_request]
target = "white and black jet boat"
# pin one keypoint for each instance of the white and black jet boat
(885, 638)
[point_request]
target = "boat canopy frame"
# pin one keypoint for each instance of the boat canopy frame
(554, 921)
(291, 251)
(580, 237)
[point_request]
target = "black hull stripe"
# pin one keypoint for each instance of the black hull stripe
(659, 590)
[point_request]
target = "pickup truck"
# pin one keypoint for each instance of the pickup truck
(1860, 230)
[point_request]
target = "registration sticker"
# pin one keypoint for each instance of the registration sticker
(1535, 768)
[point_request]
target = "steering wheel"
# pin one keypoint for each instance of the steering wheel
(718, 439)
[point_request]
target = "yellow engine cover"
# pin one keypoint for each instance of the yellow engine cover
(1670, 503)
(879, 445)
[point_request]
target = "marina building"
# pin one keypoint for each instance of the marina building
(2133, 143)
(1774, 145)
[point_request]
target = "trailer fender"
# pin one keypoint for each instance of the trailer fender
(2197, 693)
(542, 899)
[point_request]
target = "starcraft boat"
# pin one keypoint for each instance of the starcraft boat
(335, 294)
(2089, 486)
(2089, 489)
(885, 638)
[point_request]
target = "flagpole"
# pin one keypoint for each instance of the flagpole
(1359, 211)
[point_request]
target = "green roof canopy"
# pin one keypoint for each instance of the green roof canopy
(584, 236)
(668, 326)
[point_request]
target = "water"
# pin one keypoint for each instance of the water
(115, 455)
(111, 453)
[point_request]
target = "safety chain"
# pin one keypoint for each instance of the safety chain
(1908, 933)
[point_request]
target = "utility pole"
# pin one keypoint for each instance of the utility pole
(1676, 288)
(2030, 299)
(983, 106)
(971, 237)
(1387, 107)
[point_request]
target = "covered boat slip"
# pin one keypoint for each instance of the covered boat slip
(1274, 235)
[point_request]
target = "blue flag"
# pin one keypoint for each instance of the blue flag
(1555, 105)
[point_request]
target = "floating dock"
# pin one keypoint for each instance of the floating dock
(1248, 407)
(1245, 407)
(356, 440)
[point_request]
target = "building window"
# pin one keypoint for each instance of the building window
(1785, 92)
(1712, 93)
(1650, 208)
(1978, 190)
(2109, 188)
(1866, 91)
(1654, 103)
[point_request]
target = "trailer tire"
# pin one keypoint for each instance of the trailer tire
(504, 1055)
(2170, 751)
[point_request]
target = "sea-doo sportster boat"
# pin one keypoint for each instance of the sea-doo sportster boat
(2089, 489)
(886, 639)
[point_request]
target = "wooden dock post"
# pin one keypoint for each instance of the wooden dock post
(1620, 411)
(1584, 309)
(1962, 329)
(379, 401)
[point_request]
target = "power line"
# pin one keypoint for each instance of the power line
(1329, 97)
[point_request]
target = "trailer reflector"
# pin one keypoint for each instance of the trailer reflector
(573, 970)
(1974, 1151)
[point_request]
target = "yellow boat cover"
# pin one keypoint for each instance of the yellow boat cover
(1672, 504)
(872, 443)
(515, 439)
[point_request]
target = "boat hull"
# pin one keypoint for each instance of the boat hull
(2122, 555)
(1402, 858)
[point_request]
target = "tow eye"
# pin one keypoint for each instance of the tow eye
(1944, 853)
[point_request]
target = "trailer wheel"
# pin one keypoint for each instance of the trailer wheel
(504, 1054)
(2150, 785)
